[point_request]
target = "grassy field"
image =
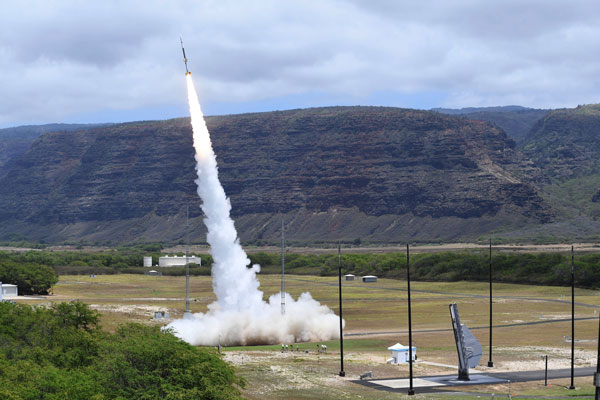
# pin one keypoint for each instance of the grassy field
(376, 317)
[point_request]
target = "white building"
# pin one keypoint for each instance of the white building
(177, 261)
(400, 354)
(8, 291)
(147, 261)
(349, 277)
(369, 278)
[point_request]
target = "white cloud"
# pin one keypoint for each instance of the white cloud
(61, 59)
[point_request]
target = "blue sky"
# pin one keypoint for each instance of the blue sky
(111, 61)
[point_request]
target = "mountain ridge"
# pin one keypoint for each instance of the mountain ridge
(379, 173)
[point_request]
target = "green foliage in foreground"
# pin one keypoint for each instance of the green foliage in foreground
(29, 278)
(538, 268)
(60, 353)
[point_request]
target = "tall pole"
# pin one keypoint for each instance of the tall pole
(342, 373)
(597, 376)
(187, 260)
(572, 317)
(282, 270)
(546, 371)
(490, 362)
(411, 390)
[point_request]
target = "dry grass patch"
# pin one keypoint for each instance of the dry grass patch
(368, 308)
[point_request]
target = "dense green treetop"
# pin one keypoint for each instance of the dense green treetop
(61, 353)
(30, 278)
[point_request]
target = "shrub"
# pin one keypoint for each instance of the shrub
(29, 278)
(61, 353)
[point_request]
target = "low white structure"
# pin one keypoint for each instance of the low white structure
(177, 261)
(349, 277)
(147, 261)
(8, 291)
(369, 278)
(161, 315)
(400, 354)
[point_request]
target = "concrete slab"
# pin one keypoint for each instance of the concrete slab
(404, 383)
(476, 379)
(437, 381)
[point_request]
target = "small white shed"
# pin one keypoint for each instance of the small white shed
(349, 277)
(400, 354)
(161, 315)
(369, 278)
(8, 290)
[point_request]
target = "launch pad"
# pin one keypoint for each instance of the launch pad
(438, 381)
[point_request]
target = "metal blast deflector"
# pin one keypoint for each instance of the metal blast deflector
(468, 347)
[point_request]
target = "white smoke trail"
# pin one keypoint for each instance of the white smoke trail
(240, 316)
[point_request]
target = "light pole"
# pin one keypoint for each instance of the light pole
(545, 358)
(490, 362)
(411, 390)
(282, 270)
(342, 373)
(572, 317)
(597, 375)
(188, 312)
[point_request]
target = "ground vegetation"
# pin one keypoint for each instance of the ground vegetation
(60, 352)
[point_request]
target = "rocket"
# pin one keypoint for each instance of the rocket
(184, 57)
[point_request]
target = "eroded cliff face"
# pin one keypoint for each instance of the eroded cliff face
(565, 144)
(121, 172)
(331, 172)
(382, 161)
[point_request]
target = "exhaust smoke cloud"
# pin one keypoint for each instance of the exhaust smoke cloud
(239, 316)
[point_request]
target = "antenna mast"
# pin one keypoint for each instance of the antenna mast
(282, 270)
(187, 260)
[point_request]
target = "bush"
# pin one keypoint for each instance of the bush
(61, 353)
(29, 278)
